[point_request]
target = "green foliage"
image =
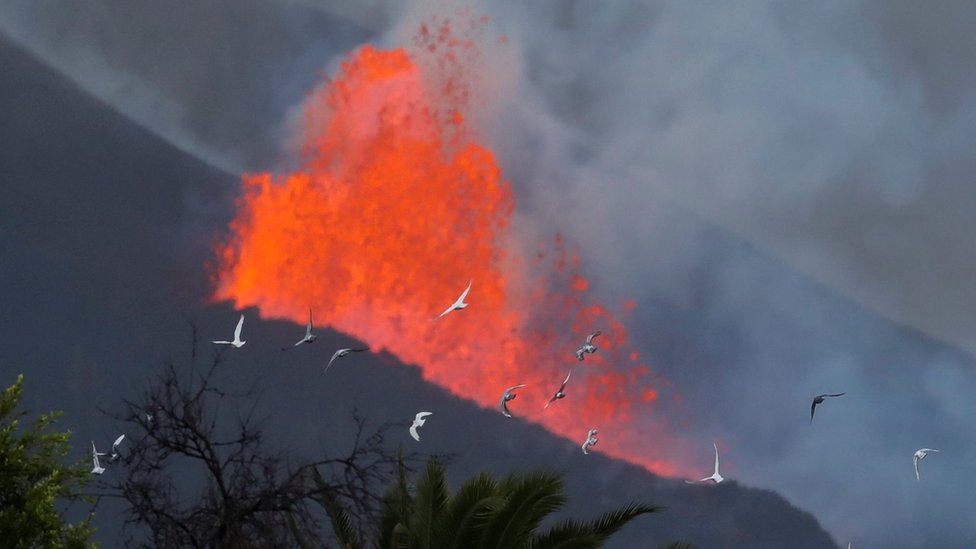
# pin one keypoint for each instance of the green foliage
(482, 514)
(34, 478)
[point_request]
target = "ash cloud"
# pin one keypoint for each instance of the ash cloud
(783, 187)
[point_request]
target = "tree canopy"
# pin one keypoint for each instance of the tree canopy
(35, 480)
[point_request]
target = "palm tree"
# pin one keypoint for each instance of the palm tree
(484, 513)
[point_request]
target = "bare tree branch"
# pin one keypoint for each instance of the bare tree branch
(200, 476)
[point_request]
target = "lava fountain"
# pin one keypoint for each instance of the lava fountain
(394, 207)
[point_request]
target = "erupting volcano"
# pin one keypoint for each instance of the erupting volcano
(394, 207)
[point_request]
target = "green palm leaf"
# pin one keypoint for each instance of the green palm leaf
(530, 499)
(570, 534)
(395, 514)
(467, 513)
(610, 523)
(342, 524)
(429, 502)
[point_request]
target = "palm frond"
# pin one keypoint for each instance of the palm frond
(430, 499)
(342, 525)
(397, 506)
(296, 532)
(530, 499)
(611, 522)
(677, 545)
(570, 534)
(471, 507)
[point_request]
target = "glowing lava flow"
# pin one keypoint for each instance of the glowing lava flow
(394, 209)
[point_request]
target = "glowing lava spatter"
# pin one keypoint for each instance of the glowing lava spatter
(394, 208)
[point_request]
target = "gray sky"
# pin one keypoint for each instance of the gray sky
(717, 157)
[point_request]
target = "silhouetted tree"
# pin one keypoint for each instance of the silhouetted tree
(197, 475)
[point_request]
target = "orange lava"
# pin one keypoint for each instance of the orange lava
(394, 208)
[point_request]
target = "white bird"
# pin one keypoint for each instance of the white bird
(919, 456)
(459, 304)
(587, 347)
(509, 395)
(715, 477)
(115, 449)
(559, 394)
(149, 418)
(819, 400)
(418, 421)
(237, 343)
(341, 353)
(309, 336)
(591, 440)
(97, 469)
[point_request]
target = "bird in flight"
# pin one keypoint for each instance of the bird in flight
(819, 400)
(341, 353)
(559, 394)
(97, 469)
(459, 304)
(587, 347)
(509, 395)
(591, 440)
(309, 336)
(715, 477)
(919, 456)
(418, 421)
(115, 449)
(237, 343)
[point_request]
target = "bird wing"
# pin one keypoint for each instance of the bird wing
(335, 355)
(835, 395)
(115, 445)
(915, 462)
(358, 350)
(422, 415)
(464, 294)
(308, 327)
(551, 400)
(222, 342)
(414, 433)
(565, 381)
(510, 389)
(813, 409)
(716, 457)
(579, 354)
(589, 338)
(447, 310)
(240, 326)
(503, 407)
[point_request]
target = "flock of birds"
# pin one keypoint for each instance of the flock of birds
(588, 347)
(717, 478)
